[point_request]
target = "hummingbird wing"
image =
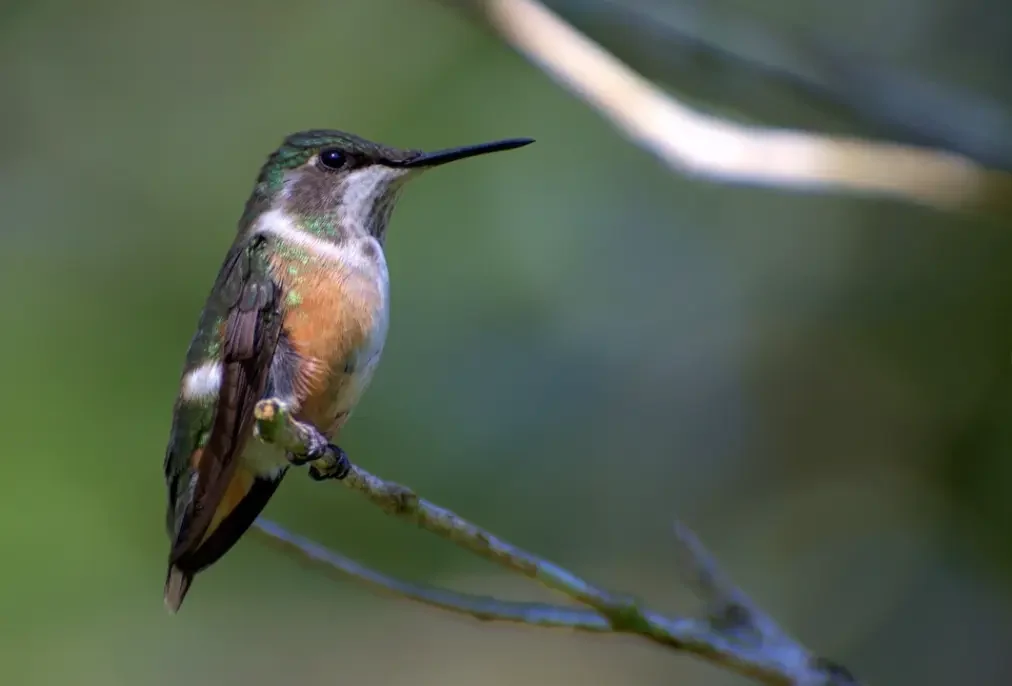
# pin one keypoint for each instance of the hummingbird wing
(235, 343)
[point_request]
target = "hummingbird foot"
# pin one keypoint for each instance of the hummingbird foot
(337, 465)
(315, 444)
(325, 460)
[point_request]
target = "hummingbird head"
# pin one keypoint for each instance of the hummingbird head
(339, 181)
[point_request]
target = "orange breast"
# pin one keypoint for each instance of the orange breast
(331, 315)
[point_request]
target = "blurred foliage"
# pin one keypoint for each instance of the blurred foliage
(582, 348)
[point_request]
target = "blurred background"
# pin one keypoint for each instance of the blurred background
(584, 346)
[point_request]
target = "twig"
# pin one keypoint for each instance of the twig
(680, 39)
(481, 607)
(701, 145)
(738, 637)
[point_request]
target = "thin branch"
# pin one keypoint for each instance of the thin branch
(685, 43)
(700, 145)
(728, 606)
(751, 644)
(274, 425)
(481, 607)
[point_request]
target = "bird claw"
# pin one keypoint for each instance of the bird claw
(336, 464)
(325, 460)
(316, 449)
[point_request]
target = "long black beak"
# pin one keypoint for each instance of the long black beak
(432, 159)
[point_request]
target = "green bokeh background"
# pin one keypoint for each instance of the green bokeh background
(583, 347)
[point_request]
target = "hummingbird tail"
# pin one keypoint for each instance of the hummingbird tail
(177, 583)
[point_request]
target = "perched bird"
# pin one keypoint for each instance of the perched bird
(298, 313)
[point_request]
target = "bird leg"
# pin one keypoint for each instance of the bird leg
(302, 442)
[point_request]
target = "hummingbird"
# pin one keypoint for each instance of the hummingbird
(298, 313)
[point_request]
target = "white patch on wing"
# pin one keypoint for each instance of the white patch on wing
(203, 382)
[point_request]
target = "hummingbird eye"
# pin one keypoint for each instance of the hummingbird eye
(332, 159)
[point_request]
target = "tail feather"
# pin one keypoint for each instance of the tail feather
(242, 502)
(177, 583)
